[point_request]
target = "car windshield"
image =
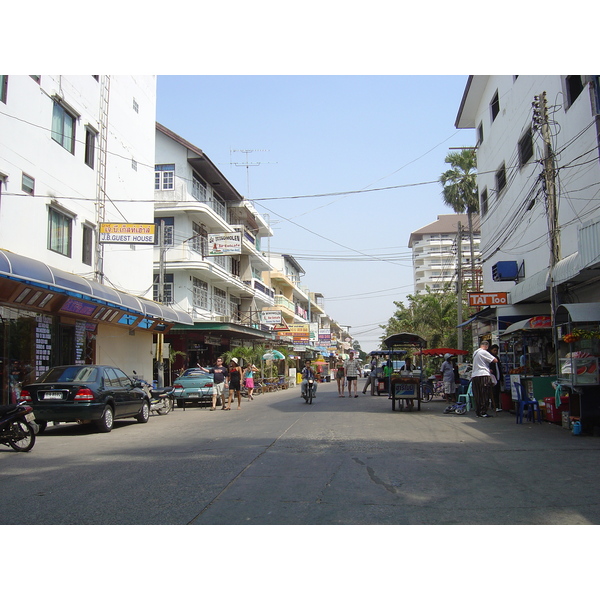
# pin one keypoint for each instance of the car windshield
(195, 373)
(75, 374)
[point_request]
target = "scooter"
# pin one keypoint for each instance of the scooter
(162, 399)
(310, 391)
(17, 427)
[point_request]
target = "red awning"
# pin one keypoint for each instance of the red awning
(442, 351)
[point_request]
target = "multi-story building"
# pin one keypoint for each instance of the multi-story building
(210, 264)
(76, 151)
(435, 253)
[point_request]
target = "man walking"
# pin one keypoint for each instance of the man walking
(448, 378)
(219, 373)
(352, 370)
(481, 380)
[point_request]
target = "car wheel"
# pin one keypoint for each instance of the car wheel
(144, 414)
(106, 421)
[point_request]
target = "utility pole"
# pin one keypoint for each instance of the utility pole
(160, 337)
(540, 120)
(459, 286)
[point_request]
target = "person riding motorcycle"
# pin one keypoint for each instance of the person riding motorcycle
(308, 373)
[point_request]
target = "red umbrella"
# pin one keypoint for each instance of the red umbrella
(442, 351)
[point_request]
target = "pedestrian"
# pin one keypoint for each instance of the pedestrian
(371, 377)
(481, 378)
(496, 369)
(339, 376)
(308, 373)
(352, 370)
(219, 374)
(235, 383)
(447, 370)
(249, 380)
(407, 369)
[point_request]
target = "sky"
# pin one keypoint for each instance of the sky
(322, 150)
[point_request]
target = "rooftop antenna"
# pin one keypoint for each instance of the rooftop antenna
(246, 164)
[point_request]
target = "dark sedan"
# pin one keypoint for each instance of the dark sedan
(85, 393)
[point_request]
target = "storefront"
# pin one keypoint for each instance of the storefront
(50, 317)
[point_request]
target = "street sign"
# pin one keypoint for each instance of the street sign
(489, 299)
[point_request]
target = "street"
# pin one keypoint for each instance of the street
(279, 461)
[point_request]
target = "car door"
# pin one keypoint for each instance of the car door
(116, 390)
(132, 396)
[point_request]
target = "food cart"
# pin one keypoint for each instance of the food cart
(578, 334)
(527, 355)
(403, 387)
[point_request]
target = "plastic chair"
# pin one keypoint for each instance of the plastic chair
(524, 401)
(468, 397)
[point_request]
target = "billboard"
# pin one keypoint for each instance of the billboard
(127, 233)
(490, 299)
(222, 244)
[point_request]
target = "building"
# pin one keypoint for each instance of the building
(538, 167)
(211, 263)
(435, 253)
(515, 205)
(77, 151)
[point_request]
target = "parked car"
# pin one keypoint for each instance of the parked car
(85, 393)
(193, 385)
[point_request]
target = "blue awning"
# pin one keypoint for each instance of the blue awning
(467, 322)
(34, 272)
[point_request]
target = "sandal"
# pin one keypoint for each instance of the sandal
(227, 409)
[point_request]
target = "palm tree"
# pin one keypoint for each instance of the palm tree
(460, 189)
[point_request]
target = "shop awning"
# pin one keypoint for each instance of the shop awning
(236, 330)
(531, 324)
(583, 312)
(34, 272)
(532, 288)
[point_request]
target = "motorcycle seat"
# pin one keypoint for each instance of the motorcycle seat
(6, 409)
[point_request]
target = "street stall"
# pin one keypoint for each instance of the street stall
(578, 334)
(405, 387)
(527, 354)
(435, 381)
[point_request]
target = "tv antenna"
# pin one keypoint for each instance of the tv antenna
(246, 164)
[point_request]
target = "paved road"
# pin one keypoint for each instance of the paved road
(280, 461)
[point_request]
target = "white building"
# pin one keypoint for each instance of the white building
(76, 151)
(515, 241)
(435, 253)
(224, 293)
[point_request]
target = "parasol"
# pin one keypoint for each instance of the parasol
(442, 351)
(273, 355)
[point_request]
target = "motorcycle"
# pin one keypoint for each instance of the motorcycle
(310, 391)
(17, 427)
(162, 399)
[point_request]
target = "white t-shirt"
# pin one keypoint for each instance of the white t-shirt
(481, 362)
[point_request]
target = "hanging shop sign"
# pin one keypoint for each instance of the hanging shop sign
(325, 336)
(271, 317)
(491, 299)
(127, 233)
(221, 244)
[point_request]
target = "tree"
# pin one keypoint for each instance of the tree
(460, 189)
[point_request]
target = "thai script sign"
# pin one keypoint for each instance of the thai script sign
(491, 299)
(270, 317)
(220, 244)
(127, 233)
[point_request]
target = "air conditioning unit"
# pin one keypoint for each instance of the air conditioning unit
(223, 319)
(507, 270)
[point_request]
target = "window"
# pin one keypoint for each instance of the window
(200, 293)
(198, 188)
(90, 147)
(168, 230)
(167, 295)
(59, 232)
(500, 179)
(480, 134)
(526, 147)
(495, 106)
(574, 87)
(164, 177)
(3, 88)
(220, 301)
(136, 106)
(200, 240)
(134, 164)
(87, 245)
(483, 202)
(63, 127)
(28, 184)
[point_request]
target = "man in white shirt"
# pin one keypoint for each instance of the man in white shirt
(480, 378)
(352, 370)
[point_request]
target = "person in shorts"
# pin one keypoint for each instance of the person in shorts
(352, 370)
(235, 383)
(219, 373)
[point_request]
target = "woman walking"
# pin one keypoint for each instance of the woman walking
(339, 376)
(249, 381)
(235, 383)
